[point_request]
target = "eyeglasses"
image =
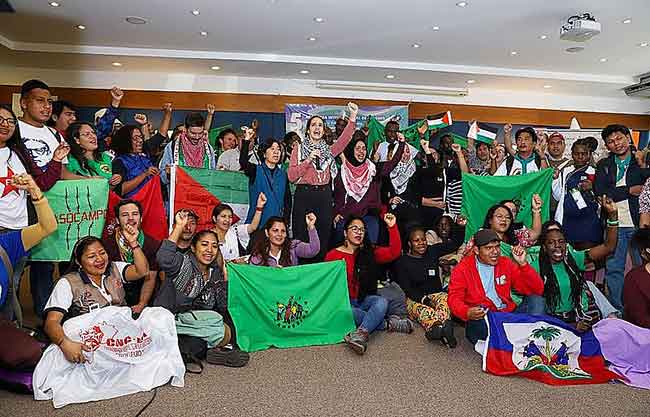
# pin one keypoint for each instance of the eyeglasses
(87, 134)
(9, 121)
(357, 229)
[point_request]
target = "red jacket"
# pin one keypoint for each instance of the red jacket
(466, 289)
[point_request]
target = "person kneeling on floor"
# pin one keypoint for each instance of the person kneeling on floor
(482, 283)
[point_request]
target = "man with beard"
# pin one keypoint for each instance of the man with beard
(137, 293)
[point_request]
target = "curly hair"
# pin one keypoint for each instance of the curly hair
(262, 244)
(121, 141)
(366, 270)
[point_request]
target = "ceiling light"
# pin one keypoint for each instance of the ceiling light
(196, 12)
(603, 59)
(392, 88)
(543, 37)
(81, 27)
(575, 49)
(215, 67)
(319, 20)
(461, 4)
(471, 81)
(304, 71)
(54, 4)
(436, 28)
(415, 45)
(643, 44)
(390, 76)
(135, 20)
(548, 86)
(116, 64)
(204, 33)
(513, 53)
(311, 39)
(626, 21)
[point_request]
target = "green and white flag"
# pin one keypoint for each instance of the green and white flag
(80, 210)
(482, 133)
(482, 192)
(289, 307)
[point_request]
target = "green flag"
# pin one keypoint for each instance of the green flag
(213, 133)
(376, 133)
(80, 210)
(482, 192)
(289, 307)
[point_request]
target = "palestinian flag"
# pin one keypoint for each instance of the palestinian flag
(201, 190)
(153, 210)
(289, 307)
(440, 120)
(482, 133)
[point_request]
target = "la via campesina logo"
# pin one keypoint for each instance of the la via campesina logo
(292, 313)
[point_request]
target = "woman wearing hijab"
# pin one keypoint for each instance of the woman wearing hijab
(356, 190)
(312, 168)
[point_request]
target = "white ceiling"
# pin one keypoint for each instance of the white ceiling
(360, 40)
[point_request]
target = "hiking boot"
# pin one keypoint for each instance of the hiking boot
(233, 358)
(398, 325)
(357, 341)
(448, 337)
(434, 333)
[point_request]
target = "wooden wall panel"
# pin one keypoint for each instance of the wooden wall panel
(266, 103)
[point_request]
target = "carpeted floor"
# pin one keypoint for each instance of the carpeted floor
(400, 375)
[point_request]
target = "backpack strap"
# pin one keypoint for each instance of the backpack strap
(510, 160)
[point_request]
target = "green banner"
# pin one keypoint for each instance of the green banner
(482, 192)
(80, 210)
(289, 307)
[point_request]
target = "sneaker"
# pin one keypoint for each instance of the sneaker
(233, 358)
(448, 337)
(396, 324)
(434, 333)
(357, 341)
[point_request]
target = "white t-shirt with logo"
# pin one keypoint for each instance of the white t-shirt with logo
(13, 202)
(516, 169)
(40, 143)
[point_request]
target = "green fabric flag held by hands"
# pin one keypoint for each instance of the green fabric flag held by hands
(482, 192)
(289, 307)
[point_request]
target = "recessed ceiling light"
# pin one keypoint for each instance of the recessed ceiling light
(415, 45)
(319, 20)
(575, 49)
(390, 76)
(135, 20)
(542, 37)
(513, 53)
(547, 86)
(312, 39)
(204, 33)
(436, 28)
(643, 44)
(471, 81)
(116, 64)
(215, 67)
(196, 12)
(55, 4)
(626, 21)
(603, 59)
(81, 27)
(304, 71)
(462, 4)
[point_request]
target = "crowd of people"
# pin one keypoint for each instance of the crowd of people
(390, 212)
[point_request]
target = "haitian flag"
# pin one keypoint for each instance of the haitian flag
(201, 190)
(153, 210)
(544, 349)
(289, 307)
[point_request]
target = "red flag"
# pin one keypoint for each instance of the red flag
(154, 219)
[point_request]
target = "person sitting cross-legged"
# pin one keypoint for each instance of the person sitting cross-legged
(482, 283)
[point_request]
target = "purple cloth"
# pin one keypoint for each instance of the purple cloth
(627, 348)
(299, 249)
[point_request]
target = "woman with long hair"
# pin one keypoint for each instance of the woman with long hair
(568, 296)
(356, 189)
(85, 159)
(232, 238)
(525, 236)
(195, 281)
(274, 248)
(362, 260)
(311, 168)
(130, 162)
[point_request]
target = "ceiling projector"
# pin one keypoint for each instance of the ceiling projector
(579, 28)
